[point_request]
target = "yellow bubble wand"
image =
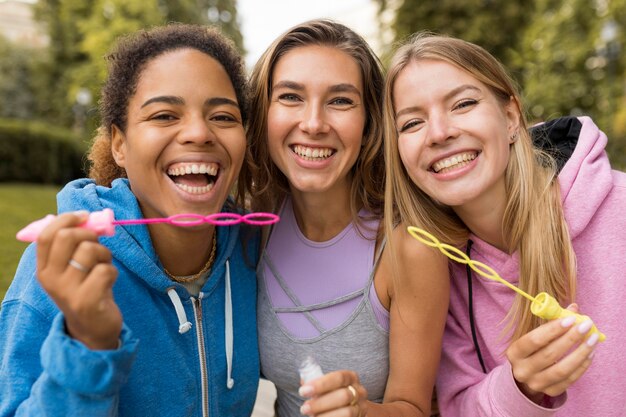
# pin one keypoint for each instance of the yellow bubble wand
(543, 305)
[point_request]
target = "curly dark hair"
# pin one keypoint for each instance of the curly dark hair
(266, 183)
(126, 63)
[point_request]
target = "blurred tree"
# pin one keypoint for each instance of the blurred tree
(572, 64)
(17, 92)
(82, 32)
(496, 25)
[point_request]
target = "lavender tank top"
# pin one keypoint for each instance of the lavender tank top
(315, 299)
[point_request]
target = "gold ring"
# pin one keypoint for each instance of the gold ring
(355, 396)
(79, 266)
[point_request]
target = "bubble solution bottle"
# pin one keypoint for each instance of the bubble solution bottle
(309, 370)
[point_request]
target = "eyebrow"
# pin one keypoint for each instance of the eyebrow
(448, 95)
(175, 100)
(337, 88)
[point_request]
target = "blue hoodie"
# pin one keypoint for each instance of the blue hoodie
(171, 343)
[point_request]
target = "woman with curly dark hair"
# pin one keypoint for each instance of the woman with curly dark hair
(146, 322)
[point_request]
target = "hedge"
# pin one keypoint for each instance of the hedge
(39, 153)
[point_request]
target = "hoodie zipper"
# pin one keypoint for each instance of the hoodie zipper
(197, 309)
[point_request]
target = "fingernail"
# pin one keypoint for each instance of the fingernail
(585, 326)
(591, 355)
(593, 339)
(568, 321)
(305, 391)
(305, 409)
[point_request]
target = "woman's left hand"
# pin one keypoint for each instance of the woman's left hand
(337, 393)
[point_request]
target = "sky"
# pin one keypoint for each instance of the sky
(262, 21)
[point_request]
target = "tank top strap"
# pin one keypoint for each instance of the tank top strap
(366, 290)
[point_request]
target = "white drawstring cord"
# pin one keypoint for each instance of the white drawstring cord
(184, 324)
(228, 326)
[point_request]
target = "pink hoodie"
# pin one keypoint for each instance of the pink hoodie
(594, 199)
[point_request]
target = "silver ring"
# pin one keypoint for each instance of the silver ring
(78, 266)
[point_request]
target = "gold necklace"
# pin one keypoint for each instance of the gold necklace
(188, 278)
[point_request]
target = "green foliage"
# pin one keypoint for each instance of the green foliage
(82, 32)
(494, 24)
(18, 88)
(33, 152)
(20, 204)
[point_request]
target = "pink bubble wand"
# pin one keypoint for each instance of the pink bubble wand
(103, 222)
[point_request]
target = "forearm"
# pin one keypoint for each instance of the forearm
(395, 409)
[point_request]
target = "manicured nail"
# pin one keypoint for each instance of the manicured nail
(305, 391)
(305, 409)
(568, 321)
(585, 326)
(81, 213)
(593, 339)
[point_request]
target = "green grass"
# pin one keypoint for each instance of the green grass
(20, 204)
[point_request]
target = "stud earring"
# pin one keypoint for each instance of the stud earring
(513, 137)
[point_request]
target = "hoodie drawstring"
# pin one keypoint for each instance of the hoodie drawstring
(228, 328)
(184, 324)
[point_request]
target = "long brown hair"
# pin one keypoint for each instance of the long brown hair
(267, 184)
(533, 221)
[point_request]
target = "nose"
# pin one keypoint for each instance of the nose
(314, 120)
(196, 130)
(441, 129)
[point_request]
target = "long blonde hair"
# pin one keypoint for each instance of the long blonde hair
(267, 184)
(533, 221)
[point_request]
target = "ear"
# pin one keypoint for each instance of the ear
(513, 116)
(118, 146)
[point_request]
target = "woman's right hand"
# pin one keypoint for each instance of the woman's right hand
(76, 272)
(550, 358)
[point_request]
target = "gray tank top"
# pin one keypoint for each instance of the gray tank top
(359, 343)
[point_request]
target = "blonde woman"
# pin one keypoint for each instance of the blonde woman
(461, 164)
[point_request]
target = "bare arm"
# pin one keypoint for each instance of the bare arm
(416, 294)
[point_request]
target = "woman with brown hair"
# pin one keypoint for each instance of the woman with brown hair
(325, 276)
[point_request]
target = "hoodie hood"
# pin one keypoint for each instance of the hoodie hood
(131, 245)
(585, 177)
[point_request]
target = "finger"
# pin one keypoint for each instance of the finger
(562, 386)
(538, 338)
(96, 290)
(570, 364)
(556, 350)
(61, 249)
(45, 238)
(333, 381)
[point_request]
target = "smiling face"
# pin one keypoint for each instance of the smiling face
(316, 118)
(454, 135)
(184, 143)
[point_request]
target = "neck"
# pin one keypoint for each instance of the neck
(182, 250)
(322, 216)
(484, 217)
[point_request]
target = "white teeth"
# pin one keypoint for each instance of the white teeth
(455, 161)
(195, 190)
(312, 154)
(195, 168)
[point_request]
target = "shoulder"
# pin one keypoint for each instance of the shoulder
(415, 266)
